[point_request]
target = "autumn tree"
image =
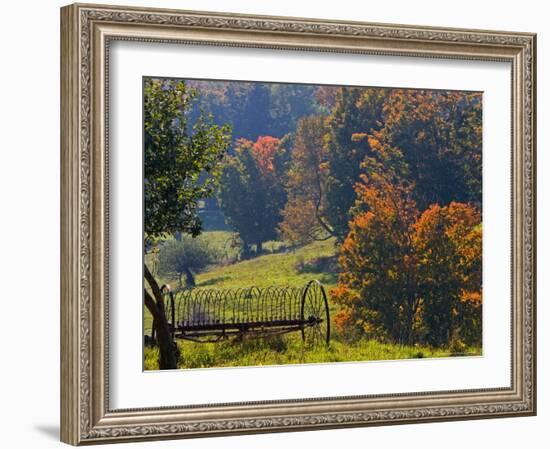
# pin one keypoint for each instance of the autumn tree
(304, 217)
(177, 155)
(440, 135)
(357, 111)
(406, 276)
(251, 194)
(447, 241)
(377, 283)
(326, 96)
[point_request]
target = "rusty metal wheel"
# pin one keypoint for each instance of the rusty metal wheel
(315, 315)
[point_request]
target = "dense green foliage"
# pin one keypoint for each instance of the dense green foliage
(251, 193)
(256, 109)
(356, 111)
(181, 161)
(186, 255)
(438, 135)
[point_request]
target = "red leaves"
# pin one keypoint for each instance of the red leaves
(264, 150)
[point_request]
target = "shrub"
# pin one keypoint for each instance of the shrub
(186, 256)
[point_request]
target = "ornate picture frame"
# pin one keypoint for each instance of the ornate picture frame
(87, 31)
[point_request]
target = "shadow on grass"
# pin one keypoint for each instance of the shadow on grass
(328, 278)
(213, 281)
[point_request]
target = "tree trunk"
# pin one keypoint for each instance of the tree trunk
(155, 304)
(409, 337)
(189, 278)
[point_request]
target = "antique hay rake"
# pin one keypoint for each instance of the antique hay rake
(211, 315)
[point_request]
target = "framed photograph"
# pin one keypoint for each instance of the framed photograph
(280, 224)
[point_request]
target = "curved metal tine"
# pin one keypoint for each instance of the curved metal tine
(215, 305)
(210, 299)
(253, 296)
(293, 304)
(245, 299)
(183, 304)
(254, 304)
(296, 301)
(266, 293)
(198, 301)
(194, 311)
(184, 301)
(217, 308)
(294, 298)
(202, 303)
(205, 303)
(181, 307)
(235, 304)
(241, 301)
(274, 293)
(225, 307)
(282, 301)
(221, 309)
(177, 300)
(258, 310)
(318, 300)
(313, 298)
(263, 300)
(289, 301)
(189, 303)
(246, 302)
(299, 299)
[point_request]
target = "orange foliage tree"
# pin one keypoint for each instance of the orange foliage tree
(304, 217)
(409, 277)
(265, 150)
(447, 241)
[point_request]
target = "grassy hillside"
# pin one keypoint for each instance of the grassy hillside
(281, 267)
(278, 268)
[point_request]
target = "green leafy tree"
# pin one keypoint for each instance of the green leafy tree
(439, 135)
(289, 103)
(357, 111)
(251, 193)
(186, 256)
(177, 157)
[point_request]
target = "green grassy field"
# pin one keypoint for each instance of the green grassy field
(278, 267)
(284, 350)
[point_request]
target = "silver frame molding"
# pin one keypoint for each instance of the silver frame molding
(86, 32)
